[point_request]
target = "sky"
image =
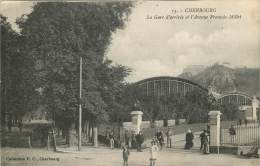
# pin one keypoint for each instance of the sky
(152, 47)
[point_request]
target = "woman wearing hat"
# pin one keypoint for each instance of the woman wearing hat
(189, 139)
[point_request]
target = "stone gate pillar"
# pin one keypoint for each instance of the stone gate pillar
(255, 105)
(214, 120)
(136, 121)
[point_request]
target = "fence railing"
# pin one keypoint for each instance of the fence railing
(245, 135)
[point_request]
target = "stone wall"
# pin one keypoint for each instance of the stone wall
(157, 123)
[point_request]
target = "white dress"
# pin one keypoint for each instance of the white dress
(154, 152)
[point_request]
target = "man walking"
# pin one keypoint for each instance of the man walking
(169, 138)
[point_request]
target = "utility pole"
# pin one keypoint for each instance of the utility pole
(80, 107)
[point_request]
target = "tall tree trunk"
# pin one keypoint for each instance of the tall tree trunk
(86, 126)
(66, 135)
(95, 136)
(71, 134)
(90, 133)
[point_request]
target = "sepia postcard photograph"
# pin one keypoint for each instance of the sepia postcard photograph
(130, 83)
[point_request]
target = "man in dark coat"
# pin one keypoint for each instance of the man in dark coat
(232, 132)
(159, 136)
(202, 138)
(139, 140)
(127, 138)
(133, 141)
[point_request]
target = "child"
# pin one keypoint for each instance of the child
(112, 140)
(126, 153)
(154, 152)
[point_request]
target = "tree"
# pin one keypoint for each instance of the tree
(229, 111)
(14, 75)
(197, 105)
(112, 85)
(193, 106)
(56, 35)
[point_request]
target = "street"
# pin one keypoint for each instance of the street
(90, 156)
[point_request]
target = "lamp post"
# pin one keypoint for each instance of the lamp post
(80, 107)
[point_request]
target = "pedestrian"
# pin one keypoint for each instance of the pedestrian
(246, 122)
(208, 132)
(9, 125)
(126, 154)
(20, 125)
(189, 140)
(232, 132)
(205, 140)
(107, 136)
(133, 143)
(112, 140)
(129, 141)
(153, 153)
(240, 122)
(159, 136)
(127, 137)
(169, 138)
(202, 139)
(139, 140)
(156, 141)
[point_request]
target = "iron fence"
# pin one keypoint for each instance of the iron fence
(244, 135)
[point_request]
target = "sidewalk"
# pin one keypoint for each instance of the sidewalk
(102, 156)
(178, 141)
(88, 150)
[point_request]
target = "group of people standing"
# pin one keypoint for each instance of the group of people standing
(159, 138)
(204, 140)
(134, 141)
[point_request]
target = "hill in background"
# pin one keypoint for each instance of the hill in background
(221, 79)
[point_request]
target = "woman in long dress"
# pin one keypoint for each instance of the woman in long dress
(189, 140)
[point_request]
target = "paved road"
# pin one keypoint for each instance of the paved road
(105, 157)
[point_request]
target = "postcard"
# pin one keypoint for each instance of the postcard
(132, 83)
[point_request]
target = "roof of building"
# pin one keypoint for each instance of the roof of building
(171, 78)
